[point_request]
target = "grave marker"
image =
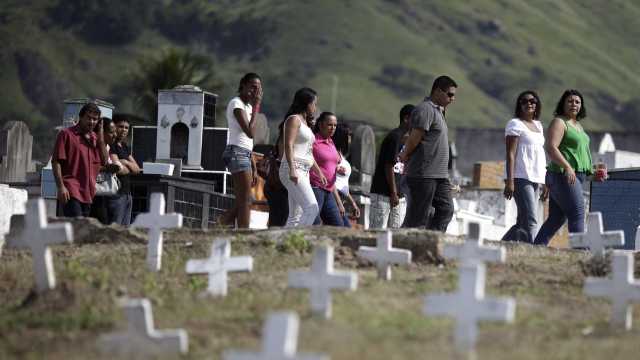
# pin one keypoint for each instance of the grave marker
(218, 265)
(384, 255)
(473, 251)
(280, 341)
(595, 238)
(321, 279)
(37, 235)
(620, 288)
(468, 306)
(156, 221)
(140, 337)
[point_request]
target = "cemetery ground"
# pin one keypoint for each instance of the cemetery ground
(381, 320)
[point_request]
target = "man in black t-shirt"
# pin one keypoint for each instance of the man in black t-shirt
(388, 203)
(119, 206)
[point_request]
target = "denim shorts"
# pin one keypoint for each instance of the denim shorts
(237, 158)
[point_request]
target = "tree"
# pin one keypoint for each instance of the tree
(173, 67)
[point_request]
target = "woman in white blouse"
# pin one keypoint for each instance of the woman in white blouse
(526, 165)
(298, 160)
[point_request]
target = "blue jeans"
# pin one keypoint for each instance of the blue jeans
(329, 212)
(237, 158)
(119, 209)
(526, 200)
(565, 203)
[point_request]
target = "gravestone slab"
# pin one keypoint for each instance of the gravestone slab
(218, 265)
(141, 338)
(620, 288)
(156, 221)
(322, 279)
(363, 156)
(15, 152)
(13, 203)
(595, 238)
(280, 341)
(37, 236)
(468, 306)
(384, 255)
(473, 251)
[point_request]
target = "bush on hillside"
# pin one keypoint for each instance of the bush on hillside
(196, 22)
(404, 82)
(101, 21)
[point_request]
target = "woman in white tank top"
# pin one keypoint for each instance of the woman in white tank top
(298, 159)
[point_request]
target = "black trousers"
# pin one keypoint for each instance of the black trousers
(278, 200)
(427, 193)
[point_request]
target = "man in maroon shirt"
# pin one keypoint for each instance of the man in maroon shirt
(78, 154)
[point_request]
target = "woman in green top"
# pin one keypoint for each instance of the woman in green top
(567, 145)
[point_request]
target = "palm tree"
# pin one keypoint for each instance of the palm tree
(173, 67)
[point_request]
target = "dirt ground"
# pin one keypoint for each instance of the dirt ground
(381, 320)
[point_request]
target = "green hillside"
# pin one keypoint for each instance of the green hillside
(380, 54)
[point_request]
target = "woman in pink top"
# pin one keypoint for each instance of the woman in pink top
(327, 158)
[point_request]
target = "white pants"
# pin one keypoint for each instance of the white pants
(383, 215)
(303, 207)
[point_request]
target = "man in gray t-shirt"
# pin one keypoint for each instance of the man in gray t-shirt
(426, 155)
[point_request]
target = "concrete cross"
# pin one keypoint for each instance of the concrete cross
(218, 265)
(280, 341)
(156, 221)
(383, 255)
(321, 279)
(620, 288)
(37, 235)
(595, 238)
(468, 306)
(473, 250)
(141, 338)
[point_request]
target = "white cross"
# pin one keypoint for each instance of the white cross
(384, 255)
(280, 341)
(473, 250)
(156, 221)
(595, 238)
(37, 235)
(468, 306)
(620, 288)
(218, 264)
(321, 279)
(141, 337)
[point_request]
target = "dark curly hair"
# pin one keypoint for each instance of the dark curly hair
(560, 107)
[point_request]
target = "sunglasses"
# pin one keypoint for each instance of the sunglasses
(528, 101)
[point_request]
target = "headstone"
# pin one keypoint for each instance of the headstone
(363, 156)
(280, 341)
(156, 221)
(141, 338)
(72, 110)
(15, 152)
(261, 135)
(13, 203)
(595, 238)
(468, 306)
(183, 114)
(384, 255)
(620, 288)
(218, 265)
(322, 279)
(37, 235)
(473, 251)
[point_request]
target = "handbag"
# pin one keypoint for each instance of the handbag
(107, 184)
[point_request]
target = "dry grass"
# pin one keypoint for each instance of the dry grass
(379, 321)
